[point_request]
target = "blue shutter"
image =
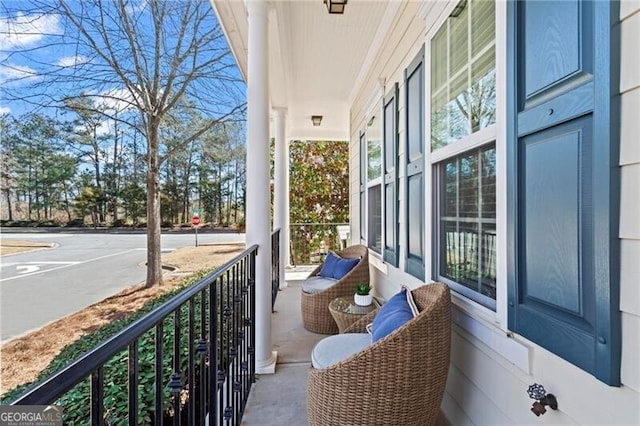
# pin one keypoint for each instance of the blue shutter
(414, 152)
(563, 182)
(390, 185)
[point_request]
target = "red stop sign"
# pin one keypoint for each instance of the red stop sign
(195, 220)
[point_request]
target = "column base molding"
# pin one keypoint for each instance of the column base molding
(268, 366)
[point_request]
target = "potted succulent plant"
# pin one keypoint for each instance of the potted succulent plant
(363, 296)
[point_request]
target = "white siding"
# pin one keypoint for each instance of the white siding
(395, 53)
(630, 39)
(630, 128)
(630, 202)
(630, 194)
(629, 277)
(630, 350)
(484, 387)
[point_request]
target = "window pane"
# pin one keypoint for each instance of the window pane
(459, 108)
(363, 182)
(458, 41)
(482, 95)
(488, 188)
(463, 95)
(439, 121)
(415, 208)
(374, 149)
(467, 256)
(488, 260)
(363, 220)
(450, 189)
(363, 156)
(414, 125)
(439, 59)
(375, 218)
(482, 25)
(469, 188)
(389, 222)
(449, 250)
(467, 235)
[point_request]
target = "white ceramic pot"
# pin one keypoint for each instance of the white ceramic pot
(361, 300)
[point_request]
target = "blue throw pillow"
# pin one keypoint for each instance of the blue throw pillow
(343, 266)
(393, 314)
(336, 267)
(329, 265)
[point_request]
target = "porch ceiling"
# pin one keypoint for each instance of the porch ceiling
(315, 59)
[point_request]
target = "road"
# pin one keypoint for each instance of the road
(42, 286)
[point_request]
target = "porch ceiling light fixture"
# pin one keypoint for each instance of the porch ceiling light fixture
(316, 120)
(335, 6)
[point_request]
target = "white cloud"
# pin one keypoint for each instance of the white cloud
(105, 128)
(71, 61)
(26, 30)
(133, 8)
(116, 99)
(5, 110)
(12, 73)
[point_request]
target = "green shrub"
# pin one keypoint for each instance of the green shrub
(77, 222)
(75, 402)
(119, 223)
(48, 224)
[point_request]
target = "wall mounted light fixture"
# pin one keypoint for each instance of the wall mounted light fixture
(316, 120)
(335, 6)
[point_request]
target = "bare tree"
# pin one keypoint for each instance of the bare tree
(138, 55)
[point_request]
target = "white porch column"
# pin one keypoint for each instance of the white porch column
(281, 192)
(258, 223)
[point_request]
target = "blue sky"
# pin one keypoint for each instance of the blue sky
(27, 31)
(31, 42)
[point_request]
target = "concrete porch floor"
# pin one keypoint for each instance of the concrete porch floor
(280, 399)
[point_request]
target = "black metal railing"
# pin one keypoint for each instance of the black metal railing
(200, 365)
(275, 266)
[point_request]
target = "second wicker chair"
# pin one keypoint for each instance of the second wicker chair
(315, 306)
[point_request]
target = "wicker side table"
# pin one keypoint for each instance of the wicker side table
(345, 312)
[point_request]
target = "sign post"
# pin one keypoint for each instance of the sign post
(195, 222)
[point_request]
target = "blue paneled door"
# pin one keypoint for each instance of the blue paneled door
(563, 190)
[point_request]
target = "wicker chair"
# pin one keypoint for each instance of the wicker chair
(398, 380)
(315, 307)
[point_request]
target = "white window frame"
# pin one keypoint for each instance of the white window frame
(373, 109)
(478, 321)
(376, 182)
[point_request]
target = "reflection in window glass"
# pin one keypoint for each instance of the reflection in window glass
(415, 209)
(463, 83)
(467, 220)
(374, 183)
(374, 149)
(374, 237)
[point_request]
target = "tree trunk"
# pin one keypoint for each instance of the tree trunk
(154, 264)
(66, 201)
(116, 172)
(7, 191)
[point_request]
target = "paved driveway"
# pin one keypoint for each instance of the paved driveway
(42, 286)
